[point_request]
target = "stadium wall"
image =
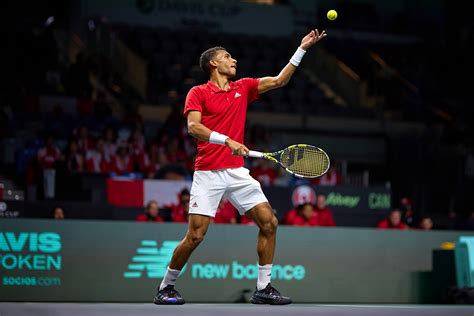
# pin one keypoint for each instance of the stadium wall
(103, 261)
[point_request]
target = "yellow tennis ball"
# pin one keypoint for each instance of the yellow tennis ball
(447, 245)
(332, 15)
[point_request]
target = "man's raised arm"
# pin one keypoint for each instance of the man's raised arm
(268, 83)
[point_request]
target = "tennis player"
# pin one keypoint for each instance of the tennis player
(216, 113)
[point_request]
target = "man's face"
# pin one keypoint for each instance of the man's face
(226, 65)
(185, 202)
(58, 213)
(426, 224)
(307, 211)
(395, 218)
(321, 202)
(153, 209)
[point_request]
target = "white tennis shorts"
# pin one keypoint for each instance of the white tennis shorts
(238, 186)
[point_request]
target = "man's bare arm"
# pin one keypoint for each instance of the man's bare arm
(268, 83)
(201, 132)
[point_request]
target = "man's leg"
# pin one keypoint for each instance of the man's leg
(262, 215)
(197, 229)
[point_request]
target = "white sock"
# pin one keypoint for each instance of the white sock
(170, 278)
(264, 276)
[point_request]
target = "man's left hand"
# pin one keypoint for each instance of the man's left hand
(312, 38)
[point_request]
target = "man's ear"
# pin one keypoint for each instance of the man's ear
(213, 63)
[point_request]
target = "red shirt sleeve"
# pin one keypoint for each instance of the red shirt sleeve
(193, 101)
(251, 85)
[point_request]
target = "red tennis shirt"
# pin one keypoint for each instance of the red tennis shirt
(222, 111)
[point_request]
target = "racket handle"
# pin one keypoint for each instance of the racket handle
(255, 154)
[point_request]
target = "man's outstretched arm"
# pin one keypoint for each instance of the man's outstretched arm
(268, 83)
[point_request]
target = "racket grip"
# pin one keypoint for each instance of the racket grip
(255, 154)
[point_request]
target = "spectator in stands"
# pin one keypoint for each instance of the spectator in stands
(74, 158)
(137, 144)
(408, 215)
(323, 212)
(110, 144)
(303, 215)
(426, 223)
(179, 212)
(47, 158)
(264, 172)
(95, 159)
(174, 153)
(226, 213)
(393, 221)
(122, 162)
(137, 150)
(58, 213)
(84, 141)
(150, 214)
(156, 159)
(289, 216)
(330, 178)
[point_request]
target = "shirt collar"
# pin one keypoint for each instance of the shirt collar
(216, 89)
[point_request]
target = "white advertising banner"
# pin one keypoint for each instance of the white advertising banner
(163, 191)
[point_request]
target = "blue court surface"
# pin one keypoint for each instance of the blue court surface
(109, 309)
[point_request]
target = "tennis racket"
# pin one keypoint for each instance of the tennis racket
(304, 161)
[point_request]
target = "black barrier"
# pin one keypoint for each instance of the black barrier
(351, 206)
(45, 260)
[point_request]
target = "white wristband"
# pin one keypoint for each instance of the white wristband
(217, 138)
(297, 57)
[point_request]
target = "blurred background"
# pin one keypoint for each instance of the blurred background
(91, 128)
(95, 89)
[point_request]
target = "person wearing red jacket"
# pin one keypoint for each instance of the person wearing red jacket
(151, 213)
(47, 158)
(226, 213)
(323, 213)
(95, 159)
(303, 215)
(393, 221)
(122, 162)
(179, 212)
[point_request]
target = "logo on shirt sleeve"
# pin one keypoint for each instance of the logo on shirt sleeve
(237, 95)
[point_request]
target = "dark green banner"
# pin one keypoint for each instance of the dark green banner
(43, 260)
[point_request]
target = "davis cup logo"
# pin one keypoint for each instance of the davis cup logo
(303, 194)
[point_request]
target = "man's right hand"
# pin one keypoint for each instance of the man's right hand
(238, 149)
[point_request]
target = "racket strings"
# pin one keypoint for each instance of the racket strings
(305, 161)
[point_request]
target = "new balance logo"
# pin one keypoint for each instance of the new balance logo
(237, 95)
(194, 204)
(152, 259)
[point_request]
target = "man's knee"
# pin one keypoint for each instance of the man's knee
(269, 227)
(194, 238)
